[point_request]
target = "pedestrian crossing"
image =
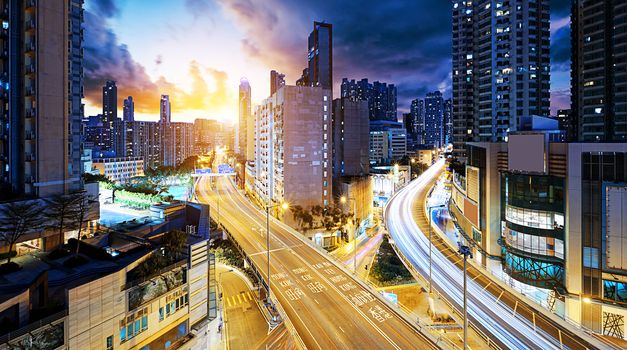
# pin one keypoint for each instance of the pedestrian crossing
(237, 299)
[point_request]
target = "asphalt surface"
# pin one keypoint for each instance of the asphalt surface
(245, 325)
(494, 310)
(327, 307)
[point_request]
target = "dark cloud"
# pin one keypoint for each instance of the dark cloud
(105, 8)
(560, 48)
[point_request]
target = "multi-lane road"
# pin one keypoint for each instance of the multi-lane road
(328, 308)
(495, 311)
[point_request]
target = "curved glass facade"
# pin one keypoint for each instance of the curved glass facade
(533, 228)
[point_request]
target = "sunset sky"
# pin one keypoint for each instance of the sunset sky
(197, 50)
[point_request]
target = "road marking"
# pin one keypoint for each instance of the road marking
(316, 301)
(228, 301)
(500, 295)
(239, 299)
(250, 297)
(342, 329)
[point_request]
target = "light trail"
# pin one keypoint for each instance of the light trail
(483, 308)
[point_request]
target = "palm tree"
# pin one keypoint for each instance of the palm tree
(17, 219)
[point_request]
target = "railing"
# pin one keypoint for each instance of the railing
(33, 326)
(138, 281)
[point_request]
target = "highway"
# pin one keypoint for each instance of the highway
(488, 307)
(327, 307)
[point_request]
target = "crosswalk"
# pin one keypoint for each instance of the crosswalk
(237, 299)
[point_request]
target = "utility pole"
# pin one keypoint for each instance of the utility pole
(343, 200)
(268, 207)
(465, 251)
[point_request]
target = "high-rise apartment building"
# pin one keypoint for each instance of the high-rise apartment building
(140, 139)
(245, 113)
(40, 126)
(434, 119)
(387, 141)
(350, 137)
(320, 55)
(417, 111)
(599, 70)
(448, 121)
(109, 111)
(277, 80)
(165, 112)
(293, 159)
(381, 97)
(129, 109)
(501, 67)
(178, 142)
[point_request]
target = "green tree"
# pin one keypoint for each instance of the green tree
(17, 219)
(174, 243)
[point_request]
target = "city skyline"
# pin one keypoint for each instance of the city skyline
(203, 83)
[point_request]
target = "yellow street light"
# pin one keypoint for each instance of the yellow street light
(343, 199)
(285, 205)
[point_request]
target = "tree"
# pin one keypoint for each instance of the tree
(174, 243)
(82, 206)
(297, 214)
(60, 212)
(17, 219)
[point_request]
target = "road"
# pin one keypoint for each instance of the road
(367, 246)
(244, 324)
(327, 307)
(495, 311)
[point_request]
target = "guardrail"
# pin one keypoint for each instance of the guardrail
(33, 326)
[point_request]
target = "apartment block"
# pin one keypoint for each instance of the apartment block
(293, 159)
(42, 82)
(119, 169)
(501, 67)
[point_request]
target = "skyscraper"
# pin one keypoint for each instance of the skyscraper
(129, 109)
(244, 116)
(109, 111)
(599, 63)
(417, 111)
(40, 121)
(320, 55)
(165, 112)
(448, 121)
(381, 97)
(434, 117)
(501, 67)
(276, 81)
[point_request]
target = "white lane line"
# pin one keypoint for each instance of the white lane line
(342, 329)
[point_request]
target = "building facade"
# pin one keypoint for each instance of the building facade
(381, 97)
(387, 142)
(417, 111)
(165, 109)
(293, 159)
(245, 113)
(129, 110)
(549, 216)
(434, 119)
(320, 55)
(350, 138)
(119, 169)
(501, 67)
(40, 146)
(599, 70)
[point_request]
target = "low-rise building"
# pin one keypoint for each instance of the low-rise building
(386, 180)
(388, 141)
(358, 194)
(119, 169)
(550, 216)
(132, 292)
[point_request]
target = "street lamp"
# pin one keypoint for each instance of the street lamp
(284, 206)
(343, 200)
(465, 251)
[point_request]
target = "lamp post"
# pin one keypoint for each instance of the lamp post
(465, 251)
(343, 200)
(284, 205)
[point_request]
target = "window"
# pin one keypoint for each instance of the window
(161, 313)
(122, 334)
(110, 342)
